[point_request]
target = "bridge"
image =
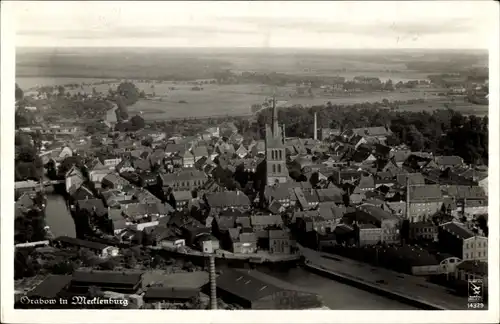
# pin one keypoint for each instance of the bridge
(33, 185)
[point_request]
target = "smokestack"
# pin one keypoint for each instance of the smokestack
(408, 198)
(213, 285)
(315, 126)
(283, 134)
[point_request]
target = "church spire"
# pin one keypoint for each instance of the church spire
(275, 118)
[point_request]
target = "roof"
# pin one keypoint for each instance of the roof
(184, 175)
(425, 193)
(105, 277)
(182, 195)
(200, 151)
(245, 286)
(451, 160)
(330, 194)
(476, 267)
(376, 212)
(468, 192)
(92, 205)
(458, 229)
(50, 287)
(372, 131)
(266, 220)
(227, 199)
(81, 243)
(167, 293)
(413, 179)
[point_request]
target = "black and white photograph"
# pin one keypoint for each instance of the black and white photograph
(250, 156)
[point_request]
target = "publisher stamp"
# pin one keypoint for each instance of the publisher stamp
(475, 294)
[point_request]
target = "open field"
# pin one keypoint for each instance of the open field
(237, 99)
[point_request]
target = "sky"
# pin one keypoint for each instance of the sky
(298, 24)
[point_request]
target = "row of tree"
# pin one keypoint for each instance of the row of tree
(442, 131)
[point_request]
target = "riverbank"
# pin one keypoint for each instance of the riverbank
(404, 288)
(259, 257)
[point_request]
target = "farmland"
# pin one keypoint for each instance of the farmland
(178, 99)
(173, 97)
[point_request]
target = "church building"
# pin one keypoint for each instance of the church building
(276, 170)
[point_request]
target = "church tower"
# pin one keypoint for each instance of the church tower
(276, 170)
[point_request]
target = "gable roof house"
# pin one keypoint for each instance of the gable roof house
(114, 181)
(74, 179)
(425, 201)
(450, 161)
(218, 201)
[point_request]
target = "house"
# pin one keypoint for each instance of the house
(74, 178)
(257, 291)
(110, 161)
(241, 241)
(424, 201)
(470, 270)
(184, 180)
(200, 152)
(188, 159)
(97, 171)
(182, 199)
(147, 179)
(423, 231)
(451, 161)
(92, 206)
(370, 214)
(411, 179)
(279, 241)
(80, 193)
(430, 265)
(369, 234)
(380, 133)
(471, 200)
(140, 165)
(463, 243)
(114, 181)
(263, 222)
(121, 282)
(125, 166)
(366, 183)
(218, 201)
(241, 151)
(327, 133)
(102, 250)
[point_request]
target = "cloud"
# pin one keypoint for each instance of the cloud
(374, 28)
(168, 31)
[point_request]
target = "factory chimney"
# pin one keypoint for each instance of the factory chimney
(408, 198)
(315, 126)
(213, 285)
(283, 134)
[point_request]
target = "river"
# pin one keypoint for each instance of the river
(336, 295)
(58, 217)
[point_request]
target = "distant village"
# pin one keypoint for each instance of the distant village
(136, 197)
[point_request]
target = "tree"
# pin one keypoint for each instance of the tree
(19, 93)
(129, 92)
(61, 91)
(137, 122)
